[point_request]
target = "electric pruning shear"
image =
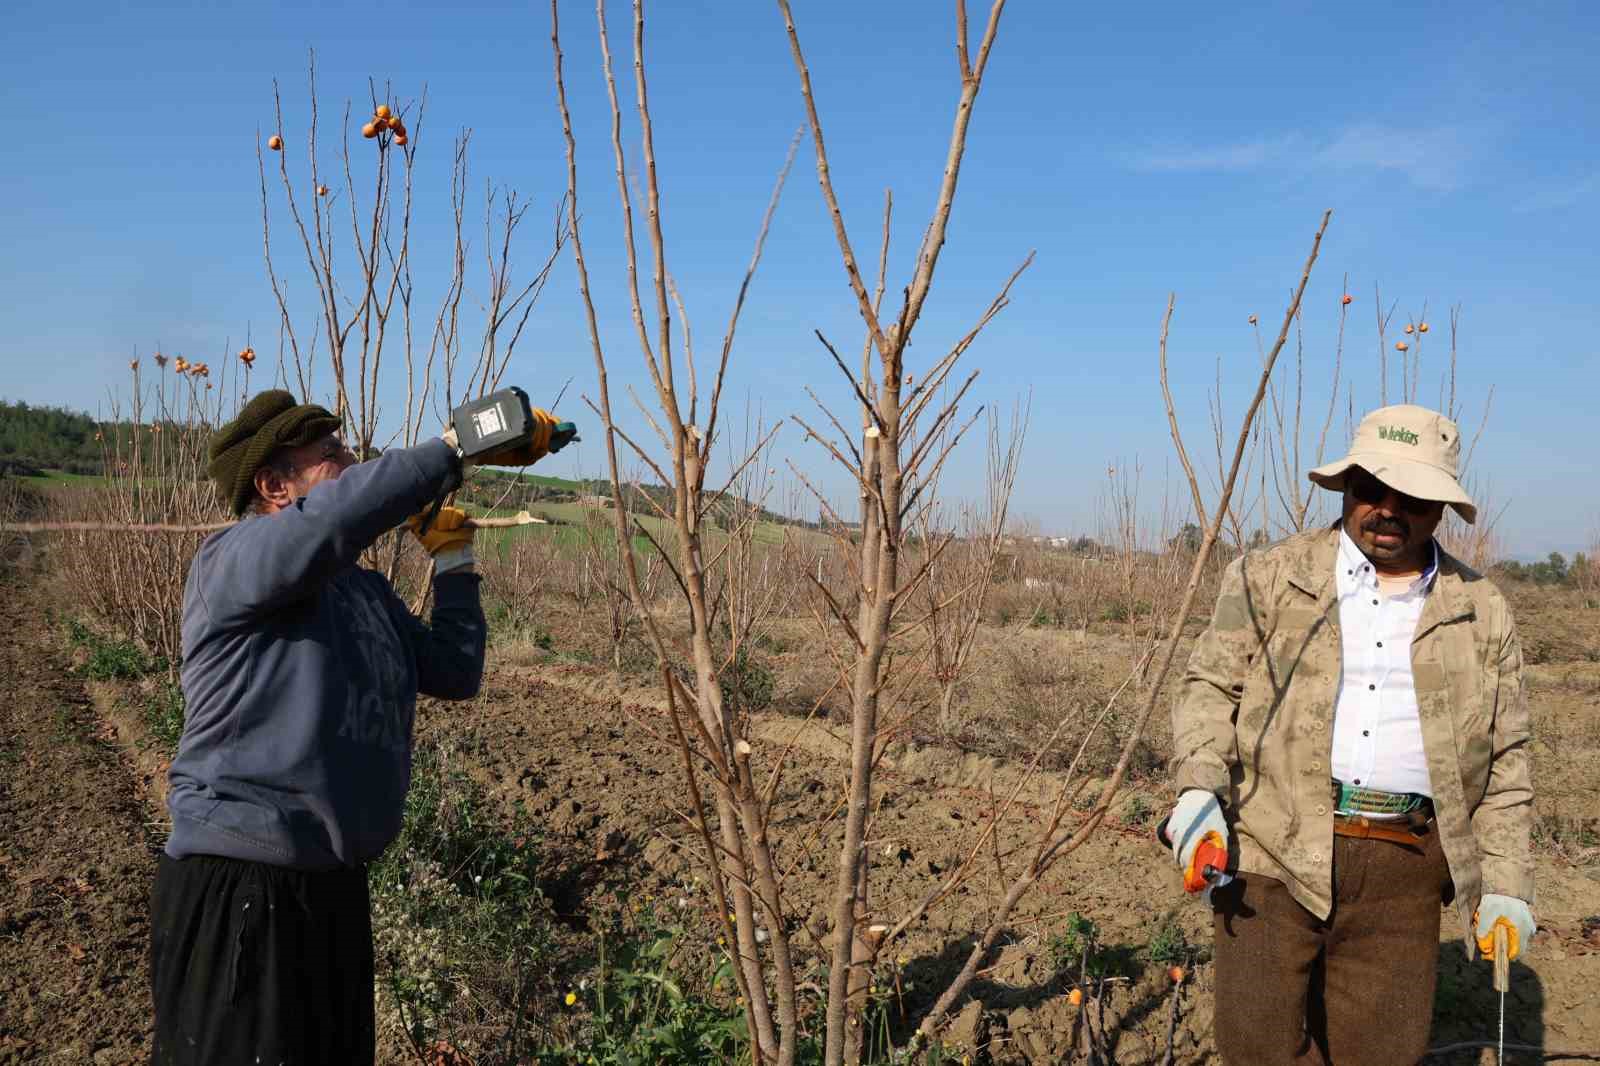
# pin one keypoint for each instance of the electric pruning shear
(499, 422)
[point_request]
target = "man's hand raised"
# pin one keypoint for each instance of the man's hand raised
(448, 539)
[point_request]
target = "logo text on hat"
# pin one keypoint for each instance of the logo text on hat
(1397, 433)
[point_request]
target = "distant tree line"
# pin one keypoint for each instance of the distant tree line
(34, 439)
(1552, 570)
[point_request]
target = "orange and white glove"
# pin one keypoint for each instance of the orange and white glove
(1197, 819)
(448, 539)
(1197, 814)
(1510, 911)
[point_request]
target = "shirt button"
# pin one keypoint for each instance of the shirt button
(1318, 766)
(1321, 809)
(1380, 643)
(1316, 856)
(1366, 733)
(1372, 688)
(1358, 781)
(1374, 603)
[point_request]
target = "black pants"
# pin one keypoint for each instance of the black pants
(258, 964)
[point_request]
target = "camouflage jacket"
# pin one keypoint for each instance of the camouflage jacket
(1254, 721)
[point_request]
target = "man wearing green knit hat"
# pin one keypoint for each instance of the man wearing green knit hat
(300, 675)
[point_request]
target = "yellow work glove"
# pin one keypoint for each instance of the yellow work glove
(448, 539)
(544, 424)
(1509, 911)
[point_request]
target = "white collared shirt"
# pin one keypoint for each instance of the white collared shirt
(1377, 733)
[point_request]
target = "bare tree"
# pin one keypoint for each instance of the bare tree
(961, 564)
(712, 736)
(353, 224)
(1057, 839)
(1285, 443)
(907, 431)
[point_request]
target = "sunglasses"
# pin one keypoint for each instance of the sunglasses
(330, 450)
(333, 448)
(1372, 492)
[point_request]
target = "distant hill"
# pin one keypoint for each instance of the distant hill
(508, 489)
(33, 439)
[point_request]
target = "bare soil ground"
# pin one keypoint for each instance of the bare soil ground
(585, 750)
(567, 740)
(77, 854)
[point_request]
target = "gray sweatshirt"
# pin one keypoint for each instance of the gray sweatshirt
(301, 672)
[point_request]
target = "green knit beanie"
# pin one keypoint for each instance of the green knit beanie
(271, 420)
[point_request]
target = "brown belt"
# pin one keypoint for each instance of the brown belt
(1396, 831)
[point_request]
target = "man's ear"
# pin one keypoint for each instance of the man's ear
(273, 488)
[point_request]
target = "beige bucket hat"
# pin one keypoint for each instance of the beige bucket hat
(1409, 448)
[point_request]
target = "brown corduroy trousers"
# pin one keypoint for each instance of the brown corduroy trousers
(1354, 990)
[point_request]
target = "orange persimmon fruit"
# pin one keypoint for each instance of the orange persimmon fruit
(275, 143)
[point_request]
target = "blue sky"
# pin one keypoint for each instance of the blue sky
(1138, 149)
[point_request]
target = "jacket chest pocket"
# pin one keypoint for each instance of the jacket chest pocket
(1293, 686)
(1303, 649)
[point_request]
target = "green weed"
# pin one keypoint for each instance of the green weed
(1078, 948)
(457, 905)
(747, 683)
(644, 1009)
(1169, 944)
(111, 658)
(163, 716)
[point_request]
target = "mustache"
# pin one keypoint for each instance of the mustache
(1393, 525)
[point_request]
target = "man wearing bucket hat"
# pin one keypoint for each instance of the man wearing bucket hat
(1352, 726)
(300, 675)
